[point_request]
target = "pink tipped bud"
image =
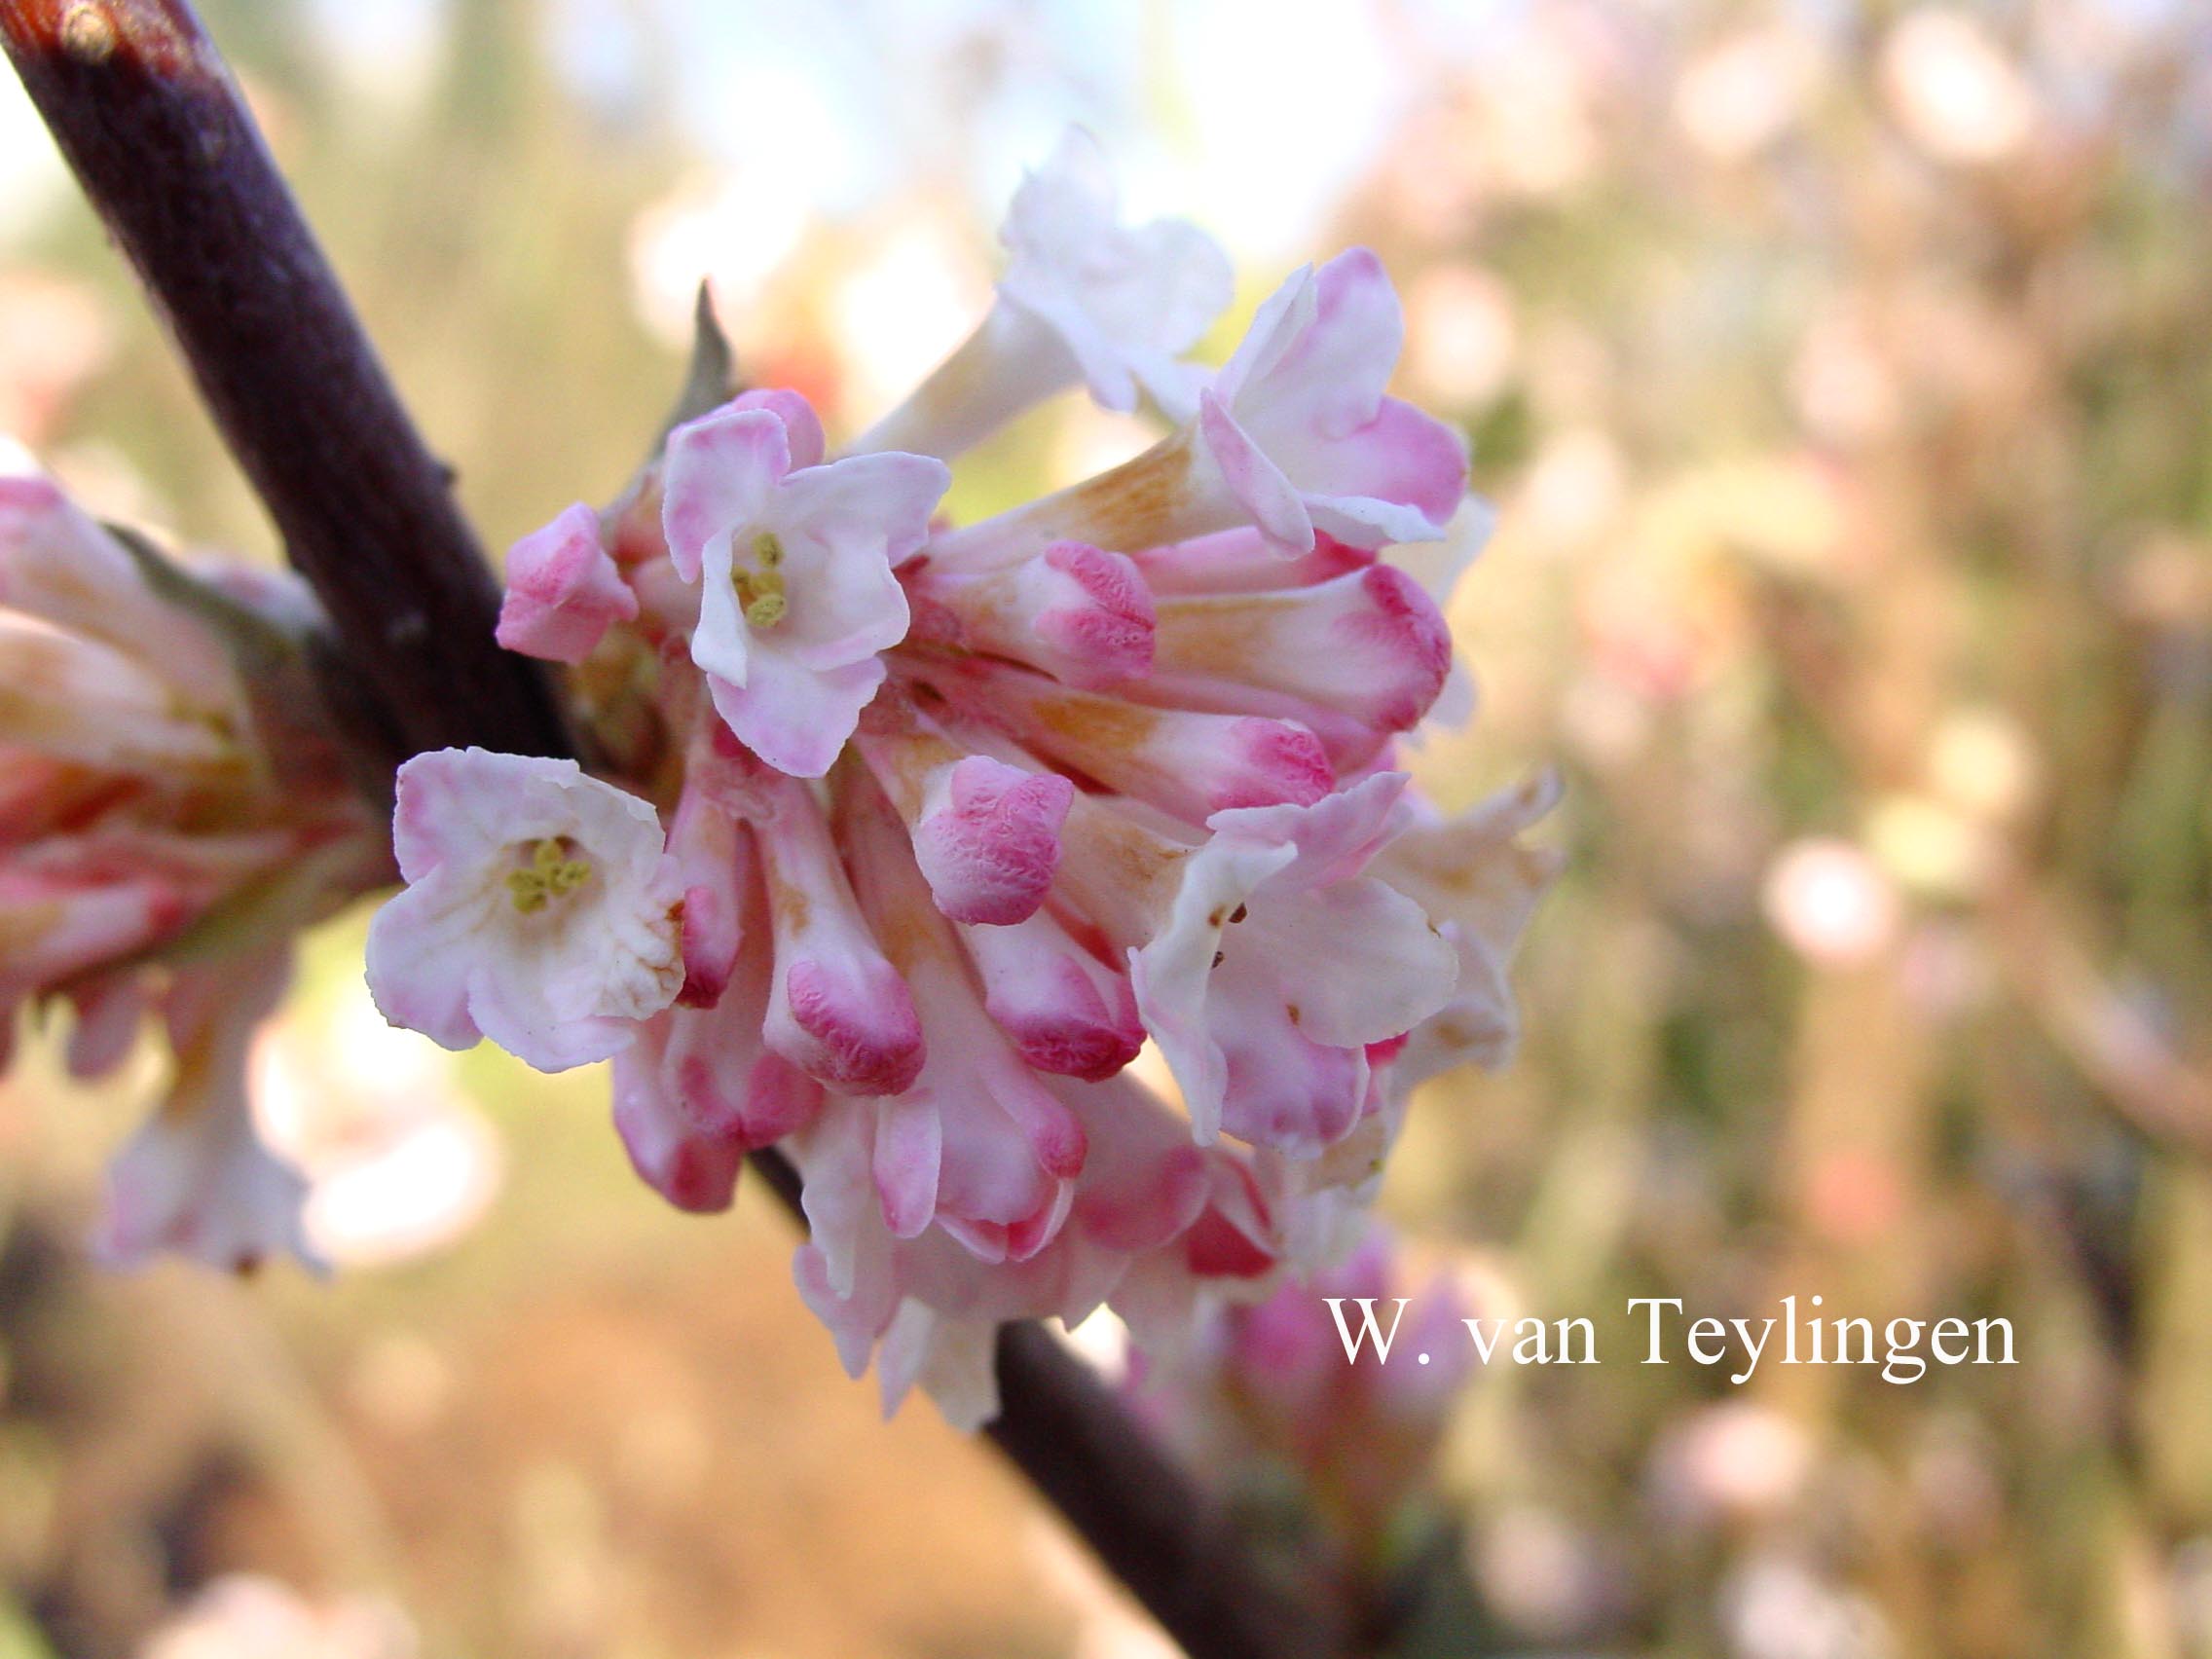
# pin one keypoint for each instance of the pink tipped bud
(1243, 560)
(694, 1169)
(988, 848)
(836, 1009)
(802, 428)
(1038, 1228)
(1007, 1148)
(1263, 762)
(909, 1150)
(723, 1077)
(985, 833)
(1370, 644)
(1234, 1237)
(844, 1017)
(1353, 745)
(696, 1173)
(778, 1100)
(716, 867)
(698, 1089)
(1068, 1012)
(710, 945)
(1074, 612)
(1090, 612)
(1144, 1183)
(1054, 1135)
(1189, 764)
(563, 590)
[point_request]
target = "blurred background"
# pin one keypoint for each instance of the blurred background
(1842, 376)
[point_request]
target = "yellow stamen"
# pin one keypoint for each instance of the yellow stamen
(761, 593)
(552, 874)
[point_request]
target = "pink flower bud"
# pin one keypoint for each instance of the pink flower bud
(695, 1170)
(985, 833)
(1079, 614)
(563, 590)
(838, 1008)
(1186, 763)
(1002, 1147)
(1241, 561)
(1068, 1011)
(990, 844)
(1370, 644)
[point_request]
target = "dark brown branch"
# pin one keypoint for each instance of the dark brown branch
(143, 109)
(1180, 1553)
(146, 114)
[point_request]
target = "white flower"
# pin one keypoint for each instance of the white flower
(794, 558)
(541, 910)
(1281, 962)
(1083, 298)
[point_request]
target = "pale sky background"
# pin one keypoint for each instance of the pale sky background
(1250, 117)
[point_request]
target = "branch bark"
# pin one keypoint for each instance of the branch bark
(146, 113)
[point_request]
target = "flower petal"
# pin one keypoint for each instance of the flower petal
(795, 718)
(719, 472)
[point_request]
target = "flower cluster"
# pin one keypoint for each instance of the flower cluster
(1269, 1390)
(169, 813)
(948, 821)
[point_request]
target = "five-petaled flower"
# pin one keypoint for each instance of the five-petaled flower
(794, 558)
(541, 910)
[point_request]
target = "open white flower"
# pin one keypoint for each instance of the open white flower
(1294, 436)
(1479, 883)
(794, 558)
(541, 910)
(1083, 298)
(1279, 964)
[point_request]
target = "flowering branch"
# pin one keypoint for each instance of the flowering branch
(144, 109)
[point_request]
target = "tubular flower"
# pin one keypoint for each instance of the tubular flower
(932, 827)
(169, 813)
(1293, 437)
(197, 1178)
(1082, 299)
